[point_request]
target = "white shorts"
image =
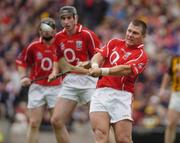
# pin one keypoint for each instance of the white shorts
(118, 104)
(78, 88)
(79, 81)
(40, 95)
(175, 101)
(81, 96)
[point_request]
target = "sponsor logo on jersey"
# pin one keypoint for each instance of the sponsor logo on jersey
(79, 44)
(47, 51)
(39, 55)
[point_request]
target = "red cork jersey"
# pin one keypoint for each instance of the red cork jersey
(80, 46)
(117, 53)
(39, 57)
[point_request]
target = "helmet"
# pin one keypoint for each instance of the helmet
(67, 10)
(48, 22)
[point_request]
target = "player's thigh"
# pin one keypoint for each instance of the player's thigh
(85, 95)
(69, 93)
(36, 96)
(35, 115)
(122, 129)
(63, 109)
(100, 121)
(51, 95)
(172, 117)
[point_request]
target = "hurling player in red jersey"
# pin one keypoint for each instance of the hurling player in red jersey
(76, 44)
(120, 62)
(38, 56)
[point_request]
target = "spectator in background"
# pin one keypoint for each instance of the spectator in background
(122, 62)
(39, 57)
(91, 12)
(173, 117)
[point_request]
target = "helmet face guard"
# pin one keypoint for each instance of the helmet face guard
(47, 28)
(67, 10)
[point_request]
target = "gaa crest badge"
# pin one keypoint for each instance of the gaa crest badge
(39, 55)
(62, 46)
(127, 54)
(79, 44)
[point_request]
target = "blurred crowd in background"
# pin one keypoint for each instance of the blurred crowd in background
(19, 21)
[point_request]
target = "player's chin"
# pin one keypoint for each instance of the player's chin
(68, 28)
(129, 43)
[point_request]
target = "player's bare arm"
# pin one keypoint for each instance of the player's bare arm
(165, 81)
(54, 72)
(63, 66)
(97, 60)
(85, 64)
(25, 80)
(120, 70)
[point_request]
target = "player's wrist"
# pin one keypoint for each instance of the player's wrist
(94, 65)
(105, 71)
(24, 76)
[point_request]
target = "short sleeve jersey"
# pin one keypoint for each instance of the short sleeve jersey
(80, 46)
(39, 57)
(116, 53)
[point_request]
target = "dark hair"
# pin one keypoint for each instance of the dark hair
(138, 22)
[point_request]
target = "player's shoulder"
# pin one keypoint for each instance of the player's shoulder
(86, 30)
(140, 51)
(35, 42)
(60, 33)
(116, 41)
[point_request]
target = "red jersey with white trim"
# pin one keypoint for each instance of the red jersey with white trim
(78, 47)
(117, 53)
(39, 57)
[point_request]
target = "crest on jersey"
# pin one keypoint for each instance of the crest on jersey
(39, 55)
(79, 44)
(126, 55)
(140, 65)
(62, 46)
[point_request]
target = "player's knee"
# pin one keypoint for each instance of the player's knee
(171, 125)
(34, 123)
(101, 134)
(57, 123)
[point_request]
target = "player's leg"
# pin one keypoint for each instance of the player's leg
(35, 118)
(111, 136)
(61, 114)
(100, 125)
(99, 117)
(170, 132)
(36, 109)
(123, 131)
(172, 117)
(121, 115)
